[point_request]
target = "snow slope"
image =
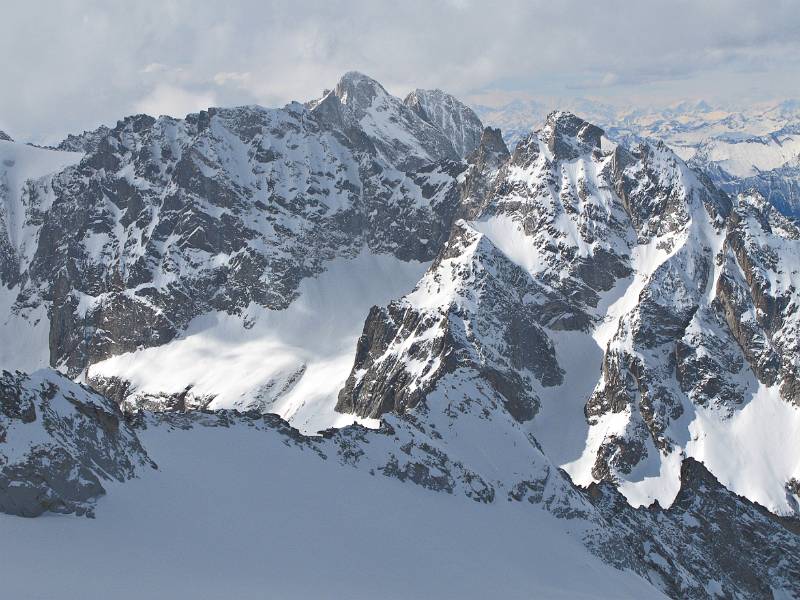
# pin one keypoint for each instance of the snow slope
(292, 362)
(236, 513)
(24, 328)
(747, 157)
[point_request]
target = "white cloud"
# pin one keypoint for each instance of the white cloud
(70, 65)
(173, 101)
(233, 77)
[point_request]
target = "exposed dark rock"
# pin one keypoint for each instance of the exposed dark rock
(449, 115)
(504, 344)
(708, 542)
(58, 443)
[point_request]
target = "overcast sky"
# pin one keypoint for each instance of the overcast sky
(71, 65)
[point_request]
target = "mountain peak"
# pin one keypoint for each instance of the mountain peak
(5, 137)
(492, 139)
(356, 89)
(491, 150)
(357, 77)
(399, 133)
(568, 136)
(451, 116)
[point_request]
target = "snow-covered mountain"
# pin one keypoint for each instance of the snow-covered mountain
(207, 227)
(768, 164)
(740, 149)
(453, 118)
(583, 337)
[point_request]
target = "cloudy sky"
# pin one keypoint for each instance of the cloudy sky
(71, 65)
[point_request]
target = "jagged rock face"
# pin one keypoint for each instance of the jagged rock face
(448, 114)
(568, 136)
(167, 219)
(628, 248)
(58, 443)
(675, 350)
(650, 182)
(474, 313)
(4, 137)
(485, 163)
(553, 198)
(718, 310)
(400, 135)
(86, 142)
(758, 291)
(709, 543)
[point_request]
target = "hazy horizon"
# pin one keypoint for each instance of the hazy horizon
(73, 66)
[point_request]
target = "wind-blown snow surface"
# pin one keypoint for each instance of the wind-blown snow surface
(292, 362)
(236, 513)
(757, 447)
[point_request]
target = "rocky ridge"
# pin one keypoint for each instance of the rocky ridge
(164, 219)
(58, 443)
(457, 121)
(585, 305)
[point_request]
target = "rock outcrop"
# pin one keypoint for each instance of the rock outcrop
(58, 443)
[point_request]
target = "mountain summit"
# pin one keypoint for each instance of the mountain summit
(582, 339)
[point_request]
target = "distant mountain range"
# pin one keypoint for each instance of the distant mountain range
(757, 148)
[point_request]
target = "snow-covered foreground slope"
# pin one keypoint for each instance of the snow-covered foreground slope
(292, 362)
(237, 513)
(242, 502)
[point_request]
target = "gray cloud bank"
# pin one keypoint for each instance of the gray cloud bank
(71, 65)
